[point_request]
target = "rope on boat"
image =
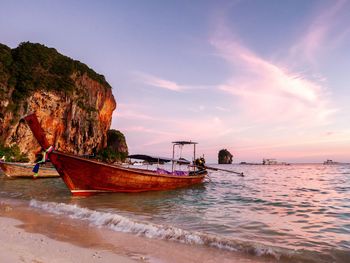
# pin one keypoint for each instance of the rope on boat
(43, 160)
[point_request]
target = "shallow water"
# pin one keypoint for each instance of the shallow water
(292, 213)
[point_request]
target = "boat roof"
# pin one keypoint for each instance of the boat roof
(184, 142)
(156, 159)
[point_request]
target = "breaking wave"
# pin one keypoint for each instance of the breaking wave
(157, 231)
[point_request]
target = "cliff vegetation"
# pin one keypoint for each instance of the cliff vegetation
(32, 66)
(73, 103)
(12, 154)
(116, 150)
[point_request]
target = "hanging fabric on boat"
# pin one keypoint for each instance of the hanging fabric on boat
(43, 160)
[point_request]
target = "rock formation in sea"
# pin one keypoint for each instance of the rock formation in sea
(74, 104)
(225, 157)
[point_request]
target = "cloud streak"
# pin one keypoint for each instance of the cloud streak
(267, 91)
(317, 34)
(159, 82)
(171, 85)
(279, 107)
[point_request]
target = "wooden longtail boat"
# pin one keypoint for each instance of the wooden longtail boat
(87, 177)
(24, 170)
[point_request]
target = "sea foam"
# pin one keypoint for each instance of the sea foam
(150, 230)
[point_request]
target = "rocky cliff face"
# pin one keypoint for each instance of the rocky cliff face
(73, 103)
(225, 157)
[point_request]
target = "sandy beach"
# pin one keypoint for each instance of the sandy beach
(17, 245)
(29, 236)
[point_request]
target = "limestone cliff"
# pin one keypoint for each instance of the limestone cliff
(73, 103)
(225, 157)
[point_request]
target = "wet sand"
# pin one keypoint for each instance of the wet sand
(29, 236)
(17, 245)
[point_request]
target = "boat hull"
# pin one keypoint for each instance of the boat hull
(87, 177)
(20, 170)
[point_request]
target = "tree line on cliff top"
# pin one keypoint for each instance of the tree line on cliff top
(33, 66)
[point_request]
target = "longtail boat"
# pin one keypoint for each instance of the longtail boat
(87, 177)
(24, 170)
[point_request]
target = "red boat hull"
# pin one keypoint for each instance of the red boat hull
(87, 177)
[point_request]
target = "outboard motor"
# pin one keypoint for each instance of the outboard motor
(200, 163)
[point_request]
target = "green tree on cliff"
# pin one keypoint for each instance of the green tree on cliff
(116, 150)
(34, 66)
(12, 154)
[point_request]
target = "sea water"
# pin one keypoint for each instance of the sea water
(295, 213)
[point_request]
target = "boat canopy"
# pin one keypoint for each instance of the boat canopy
(184, 142)
(155, 159)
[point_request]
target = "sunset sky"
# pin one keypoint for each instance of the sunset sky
(263, 79)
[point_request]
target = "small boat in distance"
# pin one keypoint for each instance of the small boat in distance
(273, 162)
(25, 170)
(87, 177)
(329, 162)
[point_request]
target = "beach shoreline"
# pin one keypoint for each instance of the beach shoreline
(30, 236)
(18, 245)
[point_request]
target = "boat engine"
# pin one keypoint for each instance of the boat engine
(200, 163)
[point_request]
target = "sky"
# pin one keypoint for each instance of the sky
(262, 79)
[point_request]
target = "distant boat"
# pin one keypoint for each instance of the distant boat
(25, 170)
(273, 162)
(87, 177)
(248, 163)
(328, 162)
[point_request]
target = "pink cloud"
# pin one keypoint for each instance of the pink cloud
(219, 108)
(267, 91)
(159, 82)
(143, 129)
(132, 112)
(317, 35)
(276, 111)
